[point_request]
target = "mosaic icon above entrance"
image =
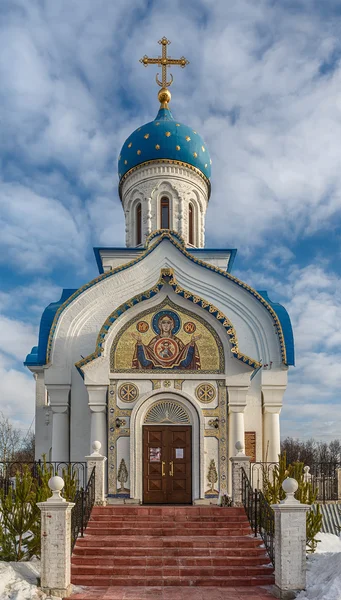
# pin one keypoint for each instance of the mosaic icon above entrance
(205, 392)
(128, 392)
(167, 338)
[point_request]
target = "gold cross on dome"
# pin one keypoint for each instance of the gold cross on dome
(164, 61)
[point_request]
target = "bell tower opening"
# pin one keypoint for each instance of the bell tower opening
(165, 213)
(138, 224)
(191, 224)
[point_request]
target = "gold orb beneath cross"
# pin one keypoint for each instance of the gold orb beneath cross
(164, 96)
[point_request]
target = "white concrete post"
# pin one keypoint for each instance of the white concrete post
(97, 460)
(239, 462)
(236, 427)
(59, 401)
(98, 407)
(55, 563)
(290, 542)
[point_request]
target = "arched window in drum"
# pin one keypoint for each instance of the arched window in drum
(165, 213)
(138, 224)
(191, 224)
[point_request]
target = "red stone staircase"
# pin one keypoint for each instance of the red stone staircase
(169, 546)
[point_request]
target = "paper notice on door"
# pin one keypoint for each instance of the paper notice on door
(179, 452)
(154, 454)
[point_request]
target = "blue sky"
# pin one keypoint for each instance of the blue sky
(263, 88)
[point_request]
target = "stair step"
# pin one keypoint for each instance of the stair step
(166, 571)
(233, 581)
(147, 551)
(172, 561)
(169, 522)
(139, 541)
(163, 531)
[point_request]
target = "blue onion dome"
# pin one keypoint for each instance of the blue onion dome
(167, 140)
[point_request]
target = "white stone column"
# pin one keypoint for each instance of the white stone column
(55, 563)
(290, 542)
(236, 428)
(272, 403)
(98, 408)
(59, 404)
(97, 460)
(271, 435)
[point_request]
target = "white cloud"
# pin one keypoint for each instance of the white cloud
(16, 393)
(17, 338)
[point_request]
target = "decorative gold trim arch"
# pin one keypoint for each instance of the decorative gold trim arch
(168, 235)
(167, 276)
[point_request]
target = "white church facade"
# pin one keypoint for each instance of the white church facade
(166, 358)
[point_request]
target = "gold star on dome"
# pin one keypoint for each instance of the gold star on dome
(146, 136)
(203, 148)
(168, 134)
(177, 148)
(138, 152)
(130, 145)
(195, 154)
(157, 147)
(187, 138)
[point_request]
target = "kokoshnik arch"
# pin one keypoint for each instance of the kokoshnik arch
(166, 358)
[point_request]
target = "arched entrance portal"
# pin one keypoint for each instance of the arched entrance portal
(167, 454)
(166, 450)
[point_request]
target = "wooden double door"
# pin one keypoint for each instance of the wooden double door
(167, 464)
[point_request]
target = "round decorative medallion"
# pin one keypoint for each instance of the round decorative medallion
(190, 327)
(166, 349)
(205, 393)
(142, 326)
(128, 392)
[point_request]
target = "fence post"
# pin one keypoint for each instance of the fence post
(238, 462)
(338, 475)
(97, 460)
(290, 542)
(56, 541)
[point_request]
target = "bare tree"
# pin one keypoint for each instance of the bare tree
(10, 439)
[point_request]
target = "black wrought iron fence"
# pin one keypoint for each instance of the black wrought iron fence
(84, 502)
(326, 480)
(260, 514)
(10, 469)
(261, 472)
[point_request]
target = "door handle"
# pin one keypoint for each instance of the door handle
(171, 472)
(163, 469)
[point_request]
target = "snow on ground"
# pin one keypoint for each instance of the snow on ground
(18, 581)
(324, 570)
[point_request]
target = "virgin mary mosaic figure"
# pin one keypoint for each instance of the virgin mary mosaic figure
(166, 350)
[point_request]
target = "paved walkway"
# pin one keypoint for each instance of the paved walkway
(173, 593)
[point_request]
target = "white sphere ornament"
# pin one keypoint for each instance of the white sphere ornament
(290, 486)
(56, 484)
(96, 446)
(239, 446)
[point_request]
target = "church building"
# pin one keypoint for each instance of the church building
(165, 357)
